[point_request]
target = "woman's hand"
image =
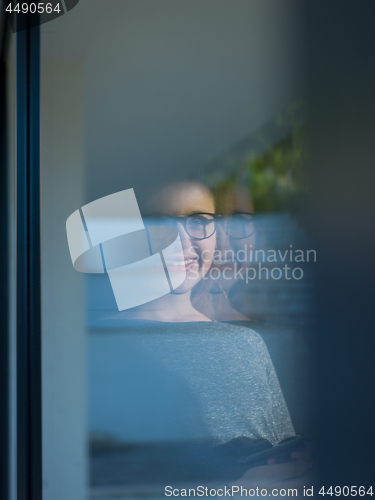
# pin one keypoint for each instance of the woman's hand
(293, 473)
(304, 454)
(274, 474)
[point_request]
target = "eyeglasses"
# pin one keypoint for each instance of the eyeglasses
(201, 226)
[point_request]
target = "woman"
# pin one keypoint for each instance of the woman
(211, 387)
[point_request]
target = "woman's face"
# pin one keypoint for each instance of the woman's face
(181, 200)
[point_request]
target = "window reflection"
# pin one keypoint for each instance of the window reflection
(169, 100)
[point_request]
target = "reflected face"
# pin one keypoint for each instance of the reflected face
(231, 255)
(178, 202)
(233, 243)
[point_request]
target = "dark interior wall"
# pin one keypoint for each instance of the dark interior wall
(340, 48)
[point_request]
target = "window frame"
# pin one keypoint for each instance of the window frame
(28, 266)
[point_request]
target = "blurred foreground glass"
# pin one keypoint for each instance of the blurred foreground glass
(130, 100)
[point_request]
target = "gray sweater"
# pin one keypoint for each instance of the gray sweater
(200, 380)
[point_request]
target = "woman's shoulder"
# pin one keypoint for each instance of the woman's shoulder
(240, 329)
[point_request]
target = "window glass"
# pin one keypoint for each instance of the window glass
(177, 278)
